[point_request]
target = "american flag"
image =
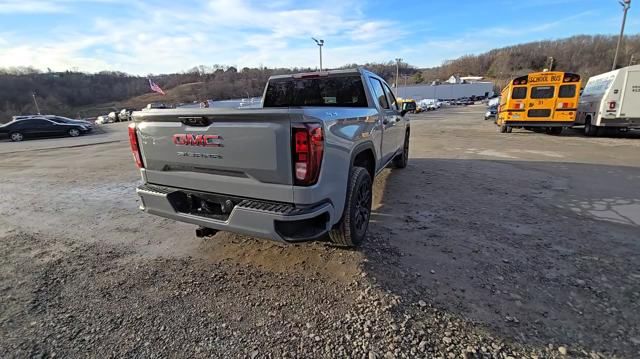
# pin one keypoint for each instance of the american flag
(154, 87)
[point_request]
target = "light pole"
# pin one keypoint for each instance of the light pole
(35, 102)
(320, 43)
(405, 76)
(626, 4)
(398, 60)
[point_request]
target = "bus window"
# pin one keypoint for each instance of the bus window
(539, 92)
(519, 93)
(567, 91)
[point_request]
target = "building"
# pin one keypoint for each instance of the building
(471, 78)
(455, 79)
(446, 91)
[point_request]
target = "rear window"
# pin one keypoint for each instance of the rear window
(542, 92)
(519, 93)
(567, 91)
(336, 91)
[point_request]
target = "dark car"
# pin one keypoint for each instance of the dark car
(17, 130)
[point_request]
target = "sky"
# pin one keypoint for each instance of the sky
(164, 36)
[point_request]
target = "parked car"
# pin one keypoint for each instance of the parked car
(492, 112)
(297, 169)
(18, 130)
(103, 119)
(156, 106)
(125, 114)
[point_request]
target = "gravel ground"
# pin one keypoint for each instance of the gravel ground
(488, 245)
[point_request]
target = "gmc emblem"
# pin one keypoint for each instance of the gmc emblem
(183, 139)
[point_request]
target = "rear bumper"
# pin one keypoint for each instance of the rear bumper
(271, 220)
(539, 123)
(620, 122)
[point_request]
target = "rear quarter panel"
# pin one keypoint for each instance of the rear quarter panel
(345, 129)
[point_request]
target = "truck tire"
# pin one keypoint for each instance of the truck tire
(504, 129)
(555, 131)
(352, 228)
(402, 159)
(589, 129)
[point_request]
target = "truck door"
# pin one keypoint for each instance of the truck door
(399, 124)
(387, 116)
(630, 106)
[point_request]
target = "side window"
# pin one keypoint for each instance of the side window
(394, 103)
(378, 93)
(39, 123)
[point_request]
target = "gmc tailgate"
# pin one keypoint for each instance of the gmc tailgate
(245, 153)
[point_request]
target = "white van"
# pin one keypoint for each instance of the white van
(611, 100)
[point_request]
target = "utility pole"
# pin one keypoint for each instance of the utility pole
(33, 94)
(626, 4)
(398, 60)
(550, 63)
(320, 43)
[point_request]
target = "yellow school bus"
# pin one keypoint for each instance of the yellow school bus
(541, 100)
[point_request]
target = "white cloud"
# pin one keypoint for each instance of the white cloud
(30, 6)
(154, 39)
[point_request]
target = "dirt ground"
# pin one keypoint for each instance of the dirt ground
(487, 245)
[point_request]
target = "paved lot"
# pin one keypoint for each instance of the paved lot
(487, 245)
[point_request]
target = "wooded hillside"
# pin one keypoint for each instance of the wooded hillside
(585, 55)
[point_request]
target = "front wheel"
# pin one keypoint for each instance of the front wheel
(402, 159)
(352, 228)
(74, 132)
(16, 137)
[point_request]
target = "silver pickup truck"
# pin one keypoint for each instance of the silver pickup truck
(294, 170)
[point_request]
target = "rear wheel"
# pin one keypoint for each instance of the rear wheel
(554, 131)
(589, 129)
(16, 136)
(402, 159)
(504, 129)
(352, 228)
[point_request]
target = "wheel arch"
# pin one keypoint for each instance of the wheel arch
(363, 155)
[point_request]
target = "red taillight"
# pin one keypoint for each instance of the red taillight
(612, 105)
(308, 148)
(135, 148)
